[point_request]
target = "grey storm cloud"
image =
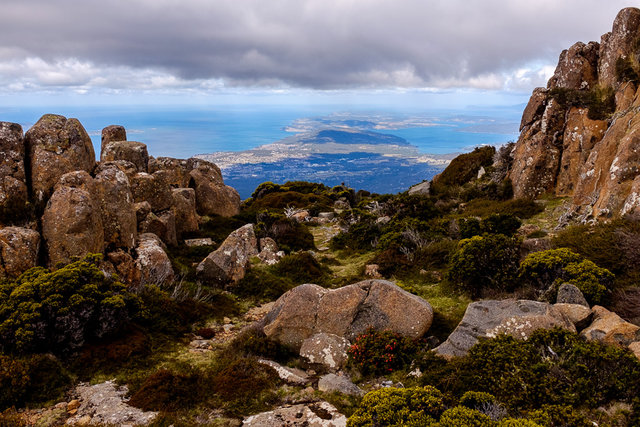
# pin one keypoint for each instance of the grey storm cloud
(319, 44)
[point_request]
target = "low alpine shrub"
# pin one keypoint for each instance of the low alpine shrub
(380, 353)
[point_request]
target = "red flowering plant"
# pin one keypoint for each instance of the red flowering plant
(382, 352)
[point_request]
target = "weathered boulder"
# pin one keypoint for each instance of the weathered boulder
(177, 170)
(570, 294)
(535, 107)
(112, 133)
(152, 188)
(346, 312)
(19, 249)
(184, 210)
(269, 253)
(489, 318)
(152, 261)
(72, 220)
(229, 263)
(577, 314)
(422, 188)
(56, 145)
(142, 210)
(327, 350)
(162, 224)
(577, 67)
(13, 181)
(113, 194)
(131, 151)
(610, 328)
(212, 196)
(619, 43)
(338, 383)
(105, 404)
(318, 414)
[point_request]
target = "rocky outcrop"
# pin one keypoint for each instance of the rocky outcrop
(55, 146)
(162, 225)
(610, 328)
(319, 414)
(346, 312)
(212, 196)
(152, 188)
(184, 210)
(580, 137)
(13, 181)
(19, 250)
(518, 318)
(229, 263)
(112, 133)
(72, 221)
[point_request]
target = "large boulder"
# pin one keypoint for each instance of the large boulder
(177, 170)
(19, 249)
(13, 181)
(131, 151)
(346, 312)
(229, 263)
(112, 133)
(55, 146)
(184, 210)
(162, 225)
(212, 196)
(152, 261)
(610, 328)
(153, 189)
(72, 221)
(518, 318)
(113, 193)
(318, 414)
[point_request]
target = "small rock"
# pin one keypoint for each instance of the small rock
(371, 270)
(338, 383)
(570, 294)
(635, 348)
(422, 188)
(319, 414)
(74, 404)
(578, 314)
(327, 215)
(288, 375)
(205, 241)
(301, 216)
(84, 421)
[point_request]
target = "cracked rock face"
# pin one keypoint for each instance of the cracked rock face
(490, 318)
(13, 181)
(19, 249)
(320, 414)
(346, 312)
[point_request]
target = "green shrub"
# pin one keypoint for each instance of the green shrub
(505, 224)
(625, 71)
(484, 262)
(301, 267)
(517, 422)
(599, 100)
(34, 379)
(558, 416)
(413, 406)
(376, 352)
(57, 311)
(289, 234)
(252, 342)
(476, 399)
(461, 416)
(521, 208)
(546, 268)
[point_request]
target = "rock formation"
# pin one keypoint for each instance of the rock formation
(57, 203)
(580, 136)
(309, 309)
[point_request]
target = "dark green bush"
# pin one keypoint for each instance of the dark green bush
(625, 71)
(505, 224)
(411, 407)
(33, 379)
(487, 262)
(252, 342)
(379, 353)
(45, 311)
(599, 100)
(462, 169)
(521, 208)
(559, 416)
(289, 234)
(302, 267)
(554, 266)
(168, 391)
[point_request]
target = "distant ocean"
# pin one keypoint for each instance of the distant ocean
(184, 131)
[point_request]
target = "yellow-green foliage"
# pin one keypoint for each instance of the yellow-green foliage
(461, 416)
(559, 415)
(484, 262)
(60, 310)
(518, 422)
(414, 406)
(542, 269)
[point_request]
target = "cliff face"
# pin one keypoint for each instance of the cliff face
(580, 136)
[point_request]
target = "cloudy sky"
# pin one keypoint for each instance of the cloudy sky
(184, 47)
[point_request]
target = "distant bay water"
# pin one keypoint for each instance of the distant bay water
(186, 131)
